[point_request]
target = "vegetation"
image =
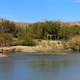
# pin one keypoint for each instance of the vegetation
(6, 39)
(27, 34)
(74, 43)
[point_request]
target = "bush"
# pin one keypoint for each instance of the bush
(29, 43)
(74, 43)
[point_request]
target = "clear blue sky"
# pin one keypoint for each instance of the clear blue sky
(37, 10)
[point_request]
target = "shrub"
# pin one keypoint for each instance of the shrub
(74, 43)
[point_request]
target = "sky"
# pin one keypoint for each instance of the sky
(40, 10)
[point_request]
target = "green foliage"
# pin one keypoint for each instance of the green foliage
(6, 36)
(39, 30)
(74, 43)
(7, 26)
(66, 32)
(26, 37)
(6, 39)
(29, 43)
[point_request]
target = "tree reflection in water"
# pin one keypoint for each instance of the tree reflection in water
(49, 65)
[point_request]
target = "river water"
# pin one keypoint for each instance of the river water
(24, 66)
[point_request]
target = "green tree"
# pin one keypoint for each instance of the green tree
(8, 27)
(6, 39)
(25, 37)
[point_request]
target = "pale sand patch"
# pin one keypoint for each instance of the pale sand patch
(2, 55)
(23, 48)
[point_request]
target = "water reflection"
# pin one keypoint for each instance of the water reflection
(56, 67)
(28, 67)
(48, 65)
(6, 70)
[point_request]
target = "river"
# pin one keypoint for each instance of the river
(24, 66)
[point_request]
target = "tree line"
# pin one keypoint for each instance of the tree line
(36, 31)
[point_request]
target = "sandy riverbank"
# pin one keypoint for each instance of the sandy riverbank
(44, 46)
(30, 49)
(2, 55)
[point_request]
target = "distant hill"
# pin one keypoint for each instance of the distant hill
(23, 25)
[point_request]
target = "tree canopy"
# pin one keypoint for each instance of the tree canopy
(39, 30)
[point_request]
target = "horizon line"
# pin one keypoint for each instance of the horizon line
(41, 20)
